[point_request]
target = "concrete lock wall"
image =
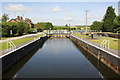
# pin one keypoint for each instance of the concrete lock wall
(15, 56)
(110, 60)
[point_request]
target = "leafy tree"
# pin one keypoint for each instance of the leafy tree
(48, 26)
(117, 24)
(19, 28)
(96, 25)
(5, 29)
(43, 26)
(59, 27)
(0, 30)
(39, 27)
(23, 28)
(5, 17)
(108, 21)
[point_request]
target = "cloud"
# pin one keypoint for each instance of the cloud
(36, 19)
(71, 15)
(56, 9)
(17, 8)
(68, 18)
(94, 16)
(118, 8)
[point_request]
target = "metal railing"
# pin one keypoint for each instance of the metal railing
(12, 46)
(105, 44)
(56, 32)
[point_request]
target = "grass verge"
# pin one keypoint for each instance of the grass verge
(17, 42)
(113, 42)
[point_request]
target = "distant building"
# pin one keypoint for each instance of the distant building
(20, 18)
(27, 20)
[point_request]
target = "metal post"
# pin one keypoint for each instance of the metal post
(86, 19)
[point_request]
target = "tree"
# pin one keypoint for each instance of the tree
(96, 25)
(48, 26)
(43, 26)
(23, 28)
(0, 30)
(108, 21)
(5, 17)
(117, 24)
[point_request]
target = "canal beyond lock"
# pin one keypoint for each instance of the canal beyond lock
(59, 58)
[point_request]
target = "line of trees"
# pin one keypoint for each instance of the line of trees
(40, 26)
(110, 22)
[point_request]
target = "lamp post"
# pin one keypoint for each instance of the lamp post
(86, 19)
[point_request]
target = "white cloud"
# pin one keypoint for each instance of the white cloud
(56, 9)
(118, 10)
(94, 16)
(17, 8)
(68, 18)
(71, 15)
(36, 19)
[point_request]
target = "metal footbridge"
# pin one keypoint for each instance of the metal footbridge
(57, 33)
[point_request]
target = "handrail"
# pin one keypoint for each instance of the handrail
(12, 45)
(105, 43)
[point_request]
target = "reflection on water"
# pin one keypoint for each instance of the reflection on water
(12, 72)
(60, 58)
(104, 71)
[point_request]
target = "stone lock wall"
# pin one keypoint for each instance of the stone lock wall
(13, 57)
(110, 60)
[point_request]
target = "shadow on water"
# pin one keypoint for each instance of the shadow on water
(104, 71)
(11, 72)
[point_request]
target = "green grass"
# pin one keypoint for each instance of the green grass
(17, 42)
(113, 41)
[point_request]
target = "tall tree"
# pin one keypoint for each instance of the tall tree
(117, 24)
(5, 17)
(108, 21)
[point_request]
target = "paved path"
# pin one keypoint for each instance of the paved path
(14, 38)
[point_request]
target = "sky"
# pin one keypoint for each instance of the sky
(59, 13)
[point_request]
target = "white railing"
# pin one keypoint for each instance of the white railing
(105, 44)
(56, 32)
(12, 45)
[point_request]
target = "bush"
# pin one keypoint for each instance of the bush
(32, 31)
(19, 28)
(40, 26)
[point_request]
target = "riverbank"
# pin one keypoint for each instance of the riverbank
(14, 56)
(17, 41)
(97, 40)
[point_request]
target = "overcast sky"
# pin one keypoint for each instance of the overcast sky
(59, 13)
